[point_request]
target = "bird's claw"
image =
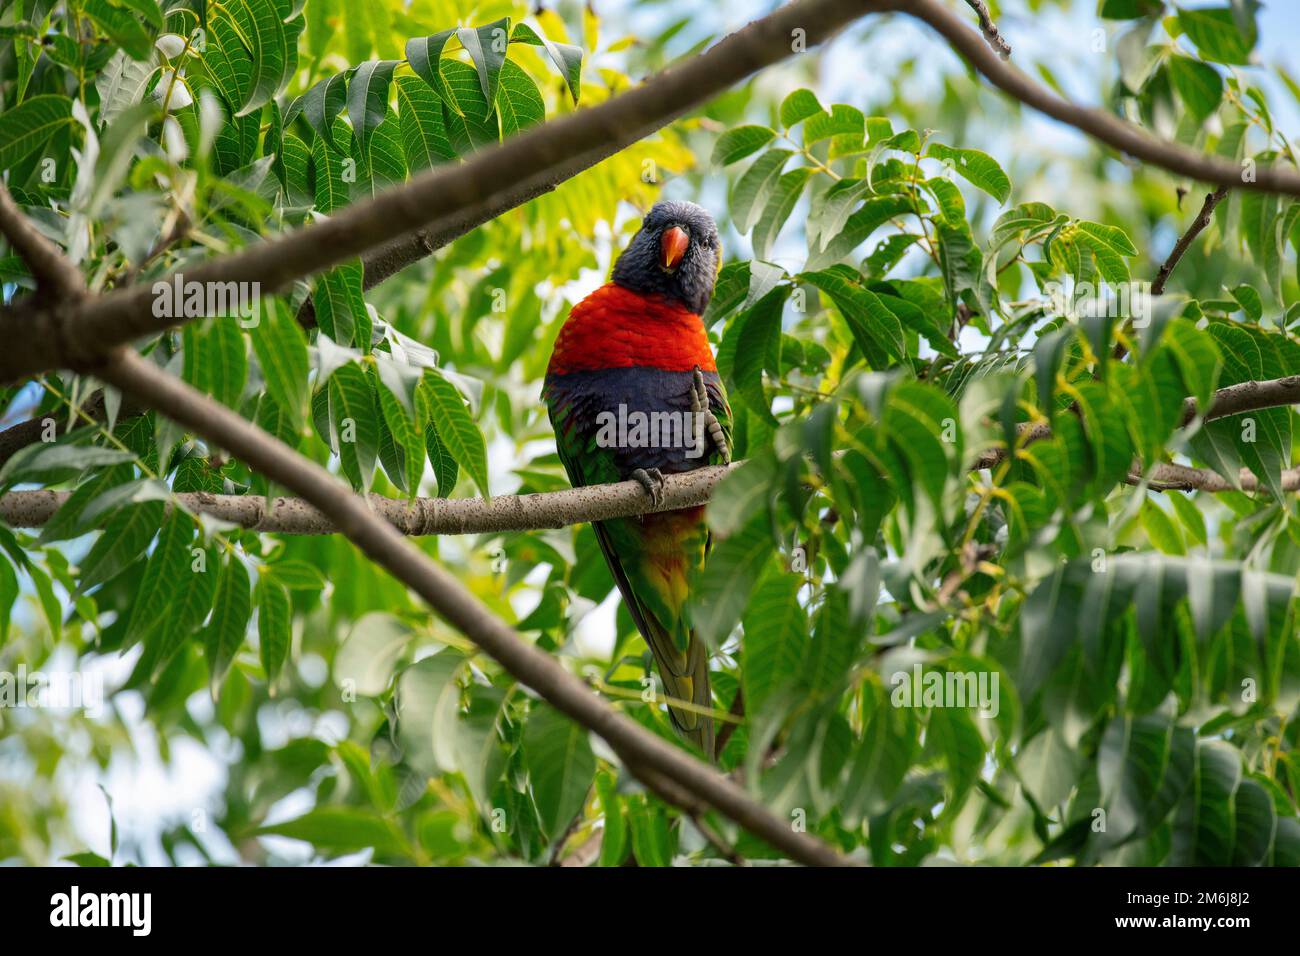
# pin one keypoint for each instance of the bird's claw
(700, 407)
(652, 480)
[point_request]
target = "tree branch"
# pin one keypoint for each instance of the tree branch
(423, 516)
(638, 747)
(558, 509)
(1101, 125)
(56, 277)
(1199, 225)
(1231, 400)
(990, 29)
(442, 198)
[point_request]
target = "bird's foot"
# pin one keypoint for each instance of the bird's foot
(700, 407)
(652, 480)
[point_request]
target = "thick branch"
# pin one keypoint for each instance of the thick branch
(1099, 124)
(636, 745)
(56, 277)
(557, 509)
(1170, 477)
(388, 260)
(424, 516)
(444, 197)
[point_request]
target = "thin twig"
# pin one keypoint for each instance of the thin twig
(1199, 225)
(990, 29)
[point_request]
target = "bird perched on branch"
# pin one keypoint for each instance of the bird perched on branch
(634, 394)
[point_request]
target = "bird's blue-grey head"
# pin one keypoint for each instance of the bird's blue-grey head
(675, 254)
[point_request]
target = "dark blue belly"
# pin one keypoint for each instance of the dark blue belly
(640, 414)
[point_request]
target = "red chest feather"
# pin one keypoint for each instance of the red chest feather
(616, 328)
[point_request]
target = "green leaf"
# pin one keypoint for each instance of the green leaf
(842, 120)
(797, 107)
(471, 120)
(264, 30)
(722, 589)
(561, 767)
(341, 830)
(281, 349)
(1144, 765)
(519, 102)
(1112, 236)
(1199, 85)
(486, 46)
(274, 625)
(428, 704)
(741, 493)
(750, 194)
(735, 144)
(1217, 35)
(445, 468)
(869, 217)
(340, 306)
(776, 630)
(408, 439)
(51, 462)
(1197, 357)
(758, 339)
(331, 188)
(424, 137)
(224, 356)
(31, 124)
(231, 609)
(296, 575)
(121, 27)
(323, 104)
(157, 587)
(785, 195)
(354, 421)
(456, 429)
(368, 98)
(566, 57)
(1160, 529)
(976, 167)
(125, 537)
(424, 54)
(1250, 301)
(875, 328)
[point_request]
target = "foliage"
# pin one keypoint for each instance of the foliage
(907, 307)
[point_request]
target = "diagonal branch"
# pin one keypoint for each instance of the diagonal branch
(56, 277)
(441, 198)
(1099, 124)
(638, 747)
(1199, 225)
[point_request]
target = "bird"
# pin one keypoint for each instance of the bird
(637, 348)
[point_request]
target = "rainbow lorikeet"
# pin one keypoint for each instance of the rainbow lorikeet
(634, 394)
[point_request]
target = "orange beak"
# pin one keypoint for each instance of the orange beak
(672, 246)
